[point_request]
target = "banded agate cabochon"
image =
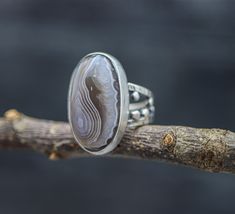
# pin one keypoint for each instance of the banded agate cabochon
(94, 102)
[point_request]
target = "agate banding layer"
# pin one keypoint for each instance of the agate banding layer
(98, 103)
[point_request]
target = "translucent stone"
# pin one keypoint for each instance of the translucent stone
(94, 102)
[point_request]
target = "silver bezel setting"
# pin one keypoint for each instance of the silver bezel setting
(124, 105)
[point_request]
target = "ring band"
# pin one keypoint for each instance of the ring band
(141, 106)
(101, 104)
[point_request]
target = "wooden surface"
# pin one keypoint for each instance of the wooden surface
(208, 149)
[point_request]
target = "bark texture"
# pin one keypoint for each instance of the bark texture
(208, 149)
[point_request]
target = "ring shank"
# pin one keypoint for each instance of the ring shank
(141, 108)
(140, 89)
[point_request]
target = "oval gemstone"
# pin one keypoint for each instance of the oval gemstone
(94, 102)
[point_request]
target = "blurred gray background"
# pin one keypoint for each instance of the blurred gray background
(182, 49)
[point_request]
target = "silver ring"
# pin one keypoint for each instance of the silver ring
(102, 104)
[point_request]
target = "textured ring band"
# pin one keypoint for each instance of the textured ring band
(101, 104)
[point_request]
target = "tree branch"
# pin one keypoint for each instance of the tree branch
(208, 149)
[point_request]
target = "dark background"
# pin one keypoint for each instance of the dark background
(182, 49)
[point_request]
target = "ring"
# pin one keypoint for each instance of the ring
(102, 104)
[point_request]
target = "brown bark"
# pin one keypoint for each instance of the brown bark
(208, 149)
